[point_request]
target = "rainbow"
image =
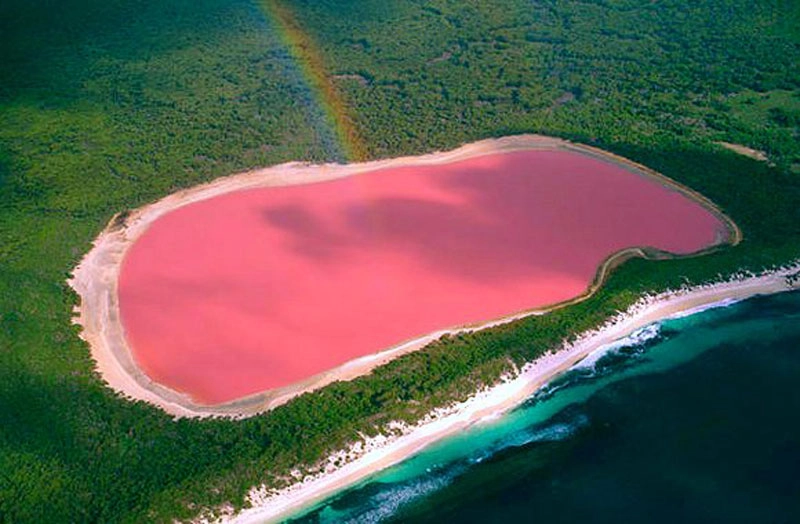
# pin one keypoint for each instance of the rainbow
(307, 55)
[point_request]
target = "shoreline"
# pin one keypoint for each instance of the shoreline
(95, 278)
(373, 455)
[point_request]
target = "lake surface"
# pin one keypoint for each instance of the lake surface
(696, 420)
(260, 289)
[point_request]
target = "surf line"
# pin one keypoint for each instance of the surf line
(308, 57)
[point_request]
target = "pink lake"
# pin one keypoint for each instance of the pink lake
(262, 288)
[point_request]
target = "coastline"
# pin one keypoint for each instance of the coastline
(95, 278)
(372, 455)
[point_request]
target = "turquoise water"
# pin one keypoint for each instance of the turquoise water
(693, 420)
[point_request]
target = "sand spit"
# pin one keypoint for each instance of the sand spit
(374, 454)
(95, 279)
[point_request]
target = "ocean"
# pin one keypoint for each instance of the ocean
(694, 419)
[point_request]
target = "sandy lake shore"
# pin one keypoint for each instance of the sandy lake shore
(96, 278)
(372, 455)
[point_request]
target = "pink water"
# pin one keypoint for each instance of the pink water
(261, 288)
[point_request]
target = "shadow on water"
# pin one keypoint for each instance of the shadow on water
(566, 220)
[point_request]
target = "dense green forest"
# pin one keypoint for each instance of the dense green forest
(105, 106)
(446, 72)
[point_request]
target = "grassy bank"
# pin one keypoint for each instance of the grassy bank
(106, 106)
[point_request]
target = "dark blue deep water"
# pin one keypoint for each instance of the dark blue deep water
(700, 422)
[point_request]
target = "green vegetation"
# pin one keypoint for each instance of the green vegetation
(448, 72)
(769, 121)
(105, 106)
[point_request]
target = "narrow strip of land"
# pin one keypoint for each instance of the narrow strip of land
(383, 452)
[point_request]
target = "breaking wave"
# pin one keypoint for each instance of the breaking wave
(605, 360)
(381, 500)
(716, 305)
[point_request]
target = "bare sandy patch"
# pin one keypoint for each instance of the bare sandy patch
(746, 151)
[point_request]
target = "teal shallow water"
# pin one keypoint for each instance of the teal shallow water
(693, 420)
